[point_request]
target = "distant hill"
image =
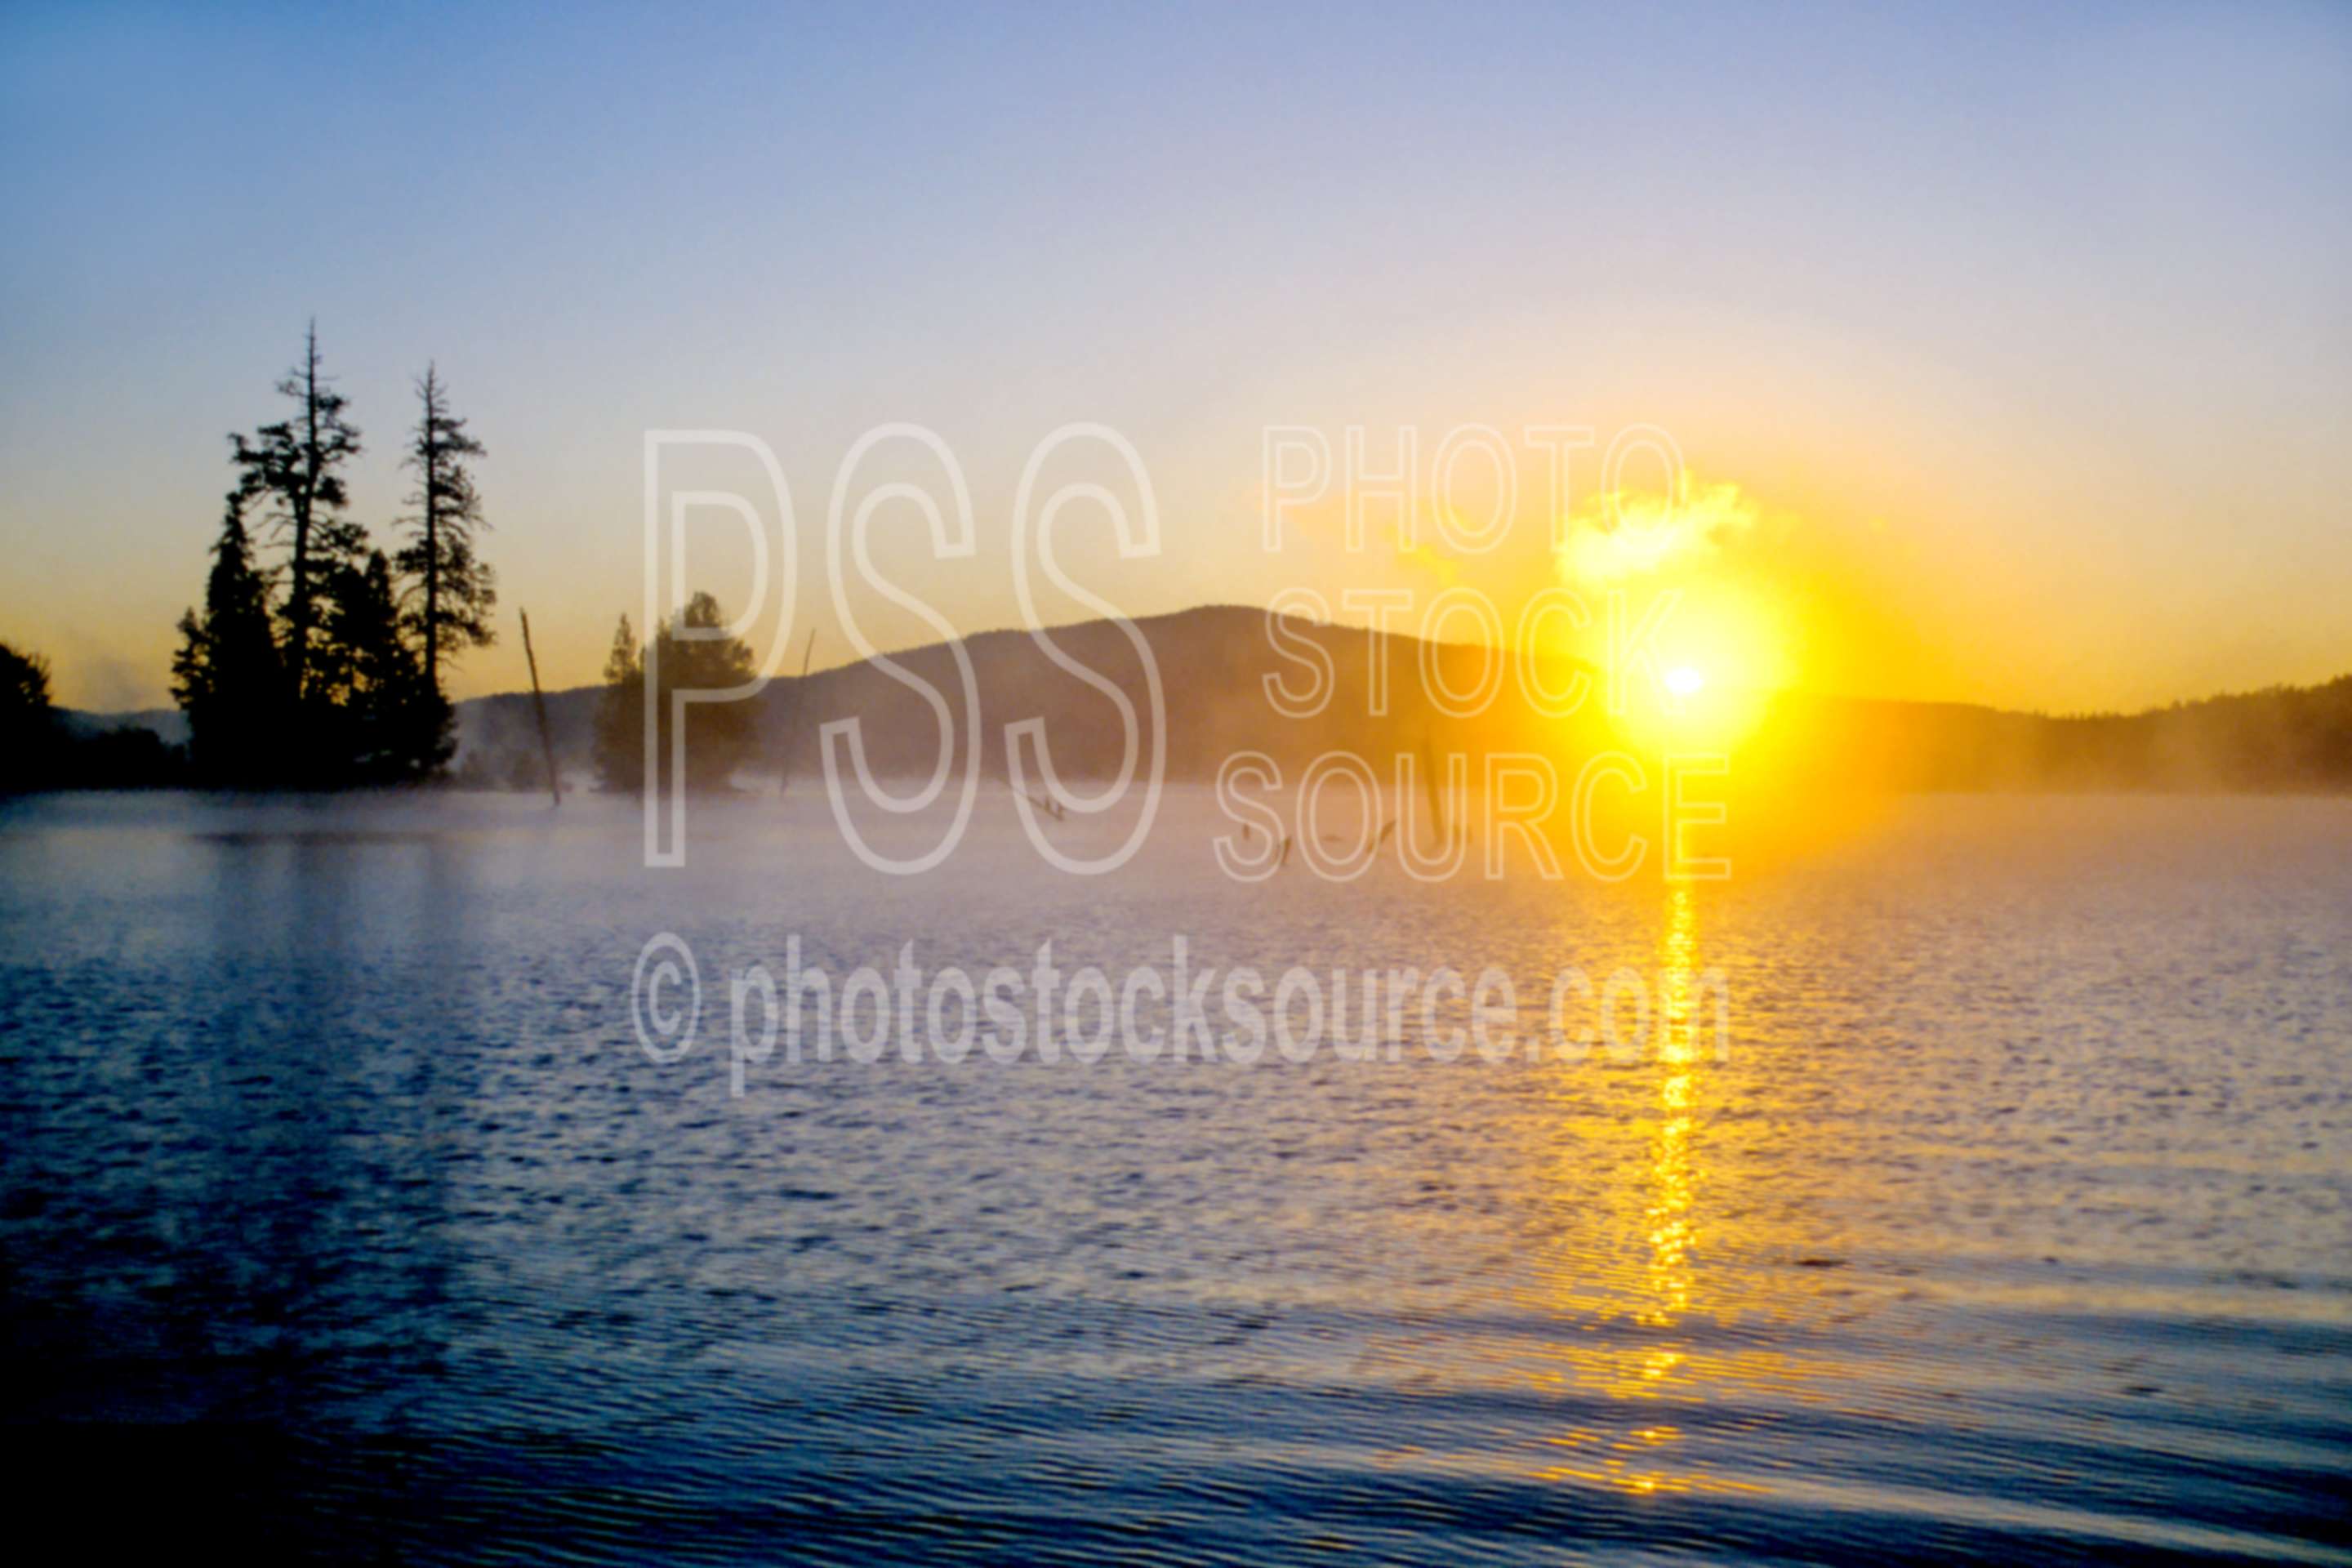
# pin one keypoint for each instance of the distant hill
(1215, 663)
(170, 725)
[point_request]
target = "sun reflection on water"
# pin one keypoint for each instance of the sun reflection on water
(1667, 1272)
(1670, 1141)
(1655, 1293)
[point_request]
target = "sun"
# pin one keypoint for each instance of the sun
(1684, 681)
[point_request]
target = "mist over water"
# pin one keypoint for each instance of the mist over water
(341, 1204)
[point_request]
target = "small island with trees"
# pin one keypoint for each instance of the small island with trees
(325, 670)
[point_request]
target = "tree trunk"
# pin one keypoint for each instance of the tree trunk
(432, 539)
(539, 707)
(299, 504)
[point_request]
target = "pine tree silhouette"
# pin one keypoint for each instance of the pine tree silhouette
(718, 735)
(226, 676)
(28, 729)
(386, 726)
(295, 467)
(450, 593)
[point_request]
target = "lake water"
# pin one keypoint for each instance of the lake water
(342, 1211)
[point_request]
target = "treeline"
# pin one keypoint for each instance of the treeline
(2282, 739)
(317, 660)
(38, 750)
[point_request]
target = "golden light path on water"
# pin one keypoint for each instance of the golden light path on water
(1670, 1150)
(1640, 1352)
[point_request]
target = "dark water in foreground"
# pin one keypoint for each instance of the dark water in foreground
(340, 1211)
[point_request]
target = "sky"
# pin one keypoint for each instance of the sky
(2022, 338)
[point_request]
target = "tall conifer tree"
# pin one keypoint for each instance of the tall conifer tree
(295, 467)
(450, 592)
